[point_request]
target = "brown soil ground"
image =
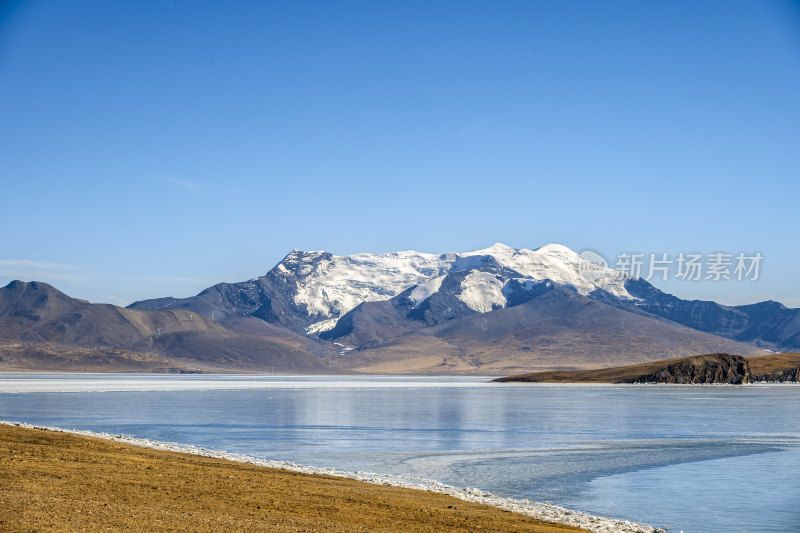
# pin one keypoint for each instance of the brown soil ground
(52, 481)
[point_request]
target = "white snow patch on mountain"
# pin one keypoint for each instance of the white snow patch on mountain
(323, 325)
(423, 291)
(497, 248)
(482, 292)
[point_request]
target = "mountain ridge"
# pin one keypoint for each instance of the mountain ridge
(497, 310)
(38, 321)
(556, 328)
(309, 292)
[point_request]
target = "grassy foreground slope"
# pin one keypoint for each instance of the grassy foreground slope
(51, 481)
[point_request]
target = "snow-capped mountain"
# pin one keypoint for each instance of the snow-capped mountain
(309, 291)
(498, 310)
(495, 277)
(329, 286)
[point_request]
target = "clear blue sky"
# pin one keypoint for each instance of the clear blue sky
(155, 148)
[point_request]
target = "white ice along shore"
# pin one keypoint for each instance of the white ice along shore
(540, 511)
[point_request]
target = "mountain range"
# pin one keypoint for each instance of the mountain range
(497, 310)
(42, 328)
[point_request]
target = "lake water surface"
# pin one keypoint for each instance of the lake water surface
(692, 458)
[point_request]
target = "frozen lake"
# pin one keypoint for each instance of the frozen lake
(693, 458)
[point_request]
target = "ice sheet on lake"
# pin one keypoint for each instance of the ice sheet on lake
(29, 383)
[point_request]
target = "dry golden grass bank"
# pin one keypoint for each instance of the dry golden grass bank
(52, 481)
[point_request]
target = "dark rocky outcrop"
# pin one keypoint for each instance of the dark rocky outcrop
(713, 368)
(790, 375)
(716, 368)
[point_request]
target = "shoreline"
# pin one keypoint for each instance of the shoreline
(540, 511)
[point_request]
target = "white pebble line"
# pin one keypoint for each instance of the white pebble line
(540, 511)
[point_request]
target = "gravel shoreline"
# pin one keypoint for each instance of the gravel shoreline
(540, 511)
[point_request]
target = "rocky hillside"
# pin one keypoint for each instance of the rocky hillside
(556, 329)
(718, 368)
(767, 324)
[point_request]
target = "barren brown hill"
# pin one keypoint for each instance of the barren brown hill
(49, 357)
(559, 329)
(707, 368)
(42, 328)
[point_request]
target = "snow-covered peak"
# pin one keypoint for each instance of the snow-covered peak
(304, 255)
(556, 249)
(301, 263)
(327, 286)
(330, 285)
(497, 248)
(557, 263)
(562, 265)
